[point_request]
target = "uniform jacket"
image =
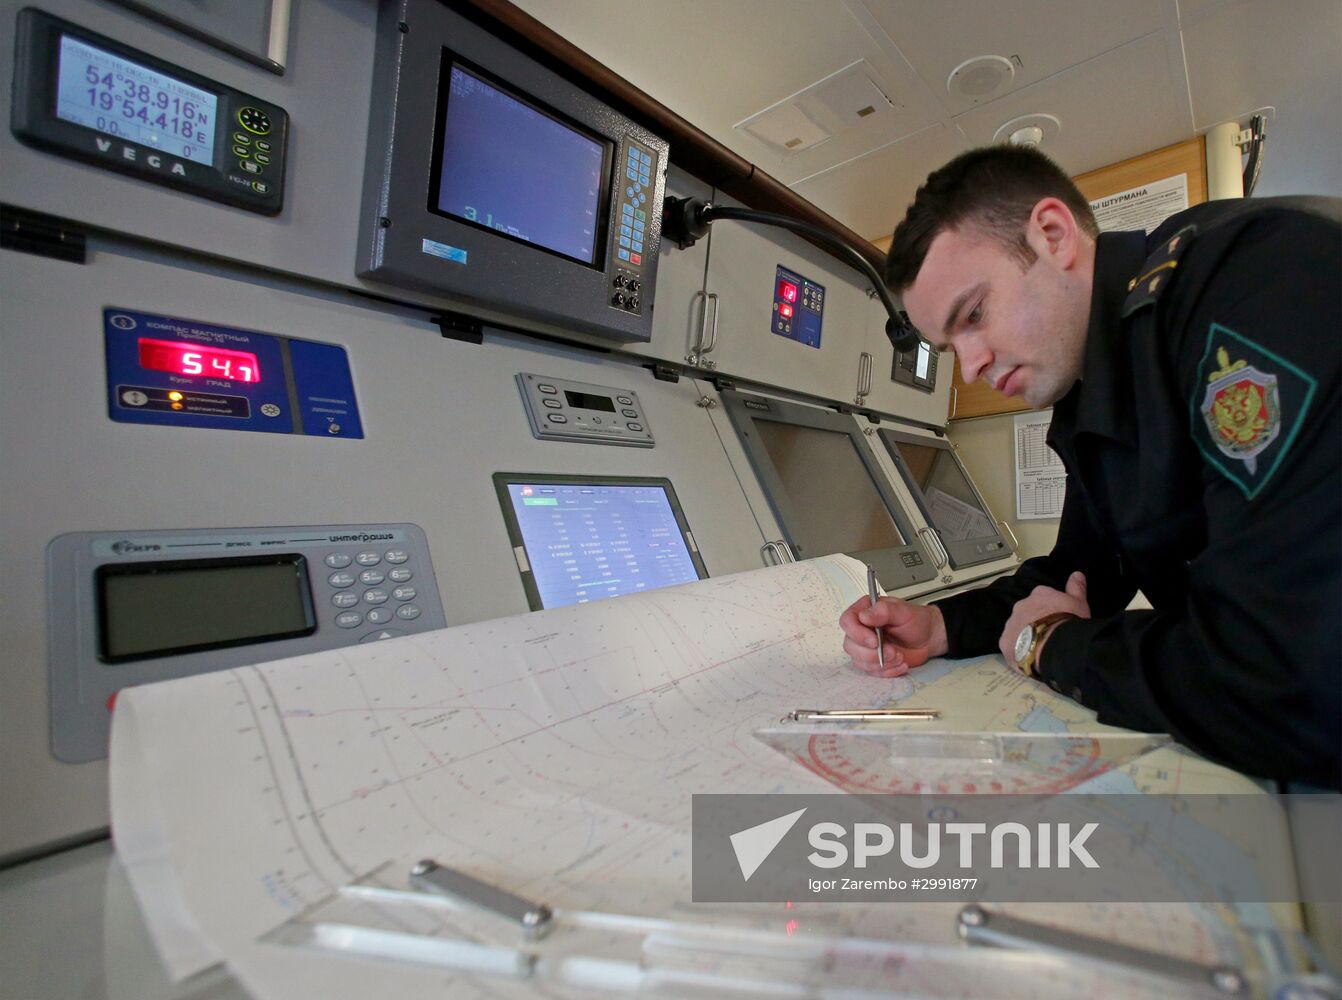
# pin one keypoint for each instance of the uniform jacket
(1203, 446)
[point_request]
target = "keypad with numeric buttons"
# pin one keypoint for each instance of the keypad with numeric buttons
(357, 595)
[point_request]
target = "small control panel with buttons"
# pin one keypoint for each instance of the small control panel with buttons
(87, 96)
(632, 235)
(141, 606)
(799, 307)
(916, 367)
(562, 410)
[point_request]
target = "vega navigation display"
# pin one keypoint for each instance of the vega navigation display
(104, 91)
(86, 96)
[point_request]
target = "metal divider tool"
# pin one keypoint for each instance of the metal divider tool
(979, 926)
(535, 920)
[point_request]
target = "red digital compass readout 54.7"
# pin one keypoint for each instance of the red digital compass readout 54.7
(180, 357)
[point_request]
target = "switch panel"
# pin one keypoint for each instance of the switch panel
(561, 410)
(799, 307)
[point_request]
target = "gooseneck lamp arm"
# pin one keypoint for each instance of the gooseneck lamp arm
(686, 220)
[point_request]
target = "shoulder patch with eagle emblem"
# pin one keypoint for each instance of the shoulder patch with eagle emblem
(1248, 408)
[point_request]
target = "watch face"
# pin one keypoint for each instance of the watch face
(1024, 641)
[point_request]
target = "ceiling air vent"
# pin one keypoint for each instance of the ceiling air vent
(786, 126)
(840, 101)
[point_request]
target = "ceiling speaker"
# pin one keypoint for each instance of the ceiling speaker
(981, 77)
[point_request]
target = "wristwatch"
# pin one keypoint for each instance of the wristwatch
(1032, 637)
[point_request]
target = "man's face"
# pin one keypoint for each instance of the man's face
(1021, 330)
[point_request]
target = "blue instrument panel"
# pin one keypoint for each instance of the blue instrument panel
(179, 372)
(799, 307)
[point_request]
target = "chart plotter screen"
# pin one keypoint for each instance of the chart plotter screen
(584, 541)
(507, 166)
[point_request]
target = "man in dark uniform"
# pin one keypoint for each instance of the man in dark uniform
(1194, 376)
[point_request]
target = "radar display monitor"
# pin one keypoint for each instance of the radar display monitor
(584, 538)
(494, 180)
(826, 488)
(550, 198)
(947, 497)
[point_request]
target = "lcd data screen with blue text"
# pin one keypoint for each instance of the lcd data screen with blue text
(587, 542)
(118, 97)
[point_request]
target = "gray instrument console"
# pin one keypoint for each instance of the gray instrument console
(493, 179)
(135, 607)
(563, 410)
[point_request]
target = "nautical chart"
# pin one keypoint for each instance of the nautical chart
(553, 753)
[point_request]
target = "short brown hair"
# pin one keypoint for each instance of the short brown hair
(993, 189)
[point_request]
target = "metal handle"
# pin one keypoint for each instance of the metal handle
(697, 347)
(955, 402)
(864, 361)
(713, 343)
(939, 552)
(1015, 543)
(776, 553)
(277, 46)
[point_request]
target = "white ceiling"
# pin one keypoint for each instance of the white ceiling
(1121, 77)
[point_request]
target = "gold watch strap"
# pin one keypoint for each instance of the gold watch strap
(1042, 629)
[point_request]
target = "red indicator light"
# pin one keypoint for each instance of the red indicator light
(181, 357)
(787, 291)
(785, 311)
